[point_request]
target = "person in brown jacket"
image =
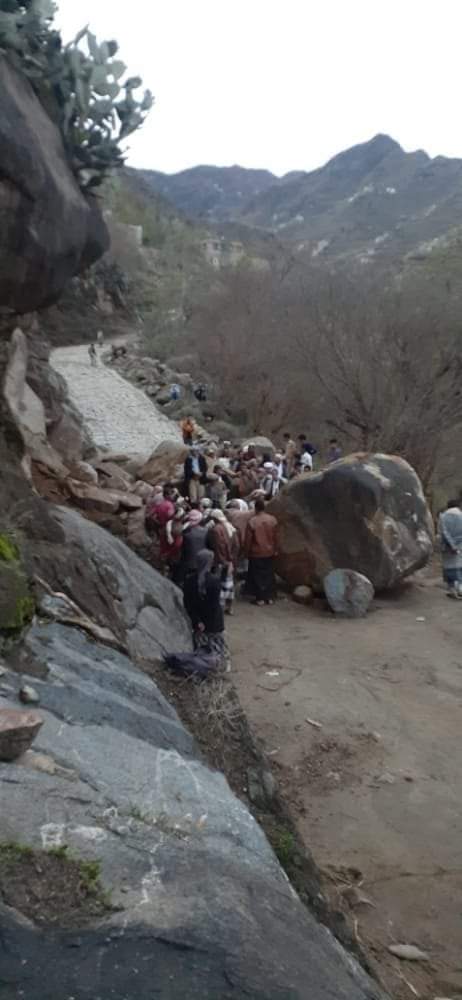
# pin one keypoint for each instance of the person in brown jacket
(222, 539)
(261, 548)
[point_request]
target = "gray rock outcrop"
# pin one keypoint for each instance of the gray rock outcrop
(199, 906)
(49, 231)
(108, 581)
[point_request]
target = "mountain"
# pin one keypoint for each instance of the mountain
(210, 193)
(373, 200)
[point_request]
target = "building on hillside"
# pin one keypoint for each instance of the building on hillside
(222, 253)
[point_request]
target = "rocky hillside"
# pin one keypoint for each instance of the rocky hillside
(373, 200)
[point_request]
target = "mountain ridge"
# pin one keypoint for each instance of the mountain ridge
(372, 199)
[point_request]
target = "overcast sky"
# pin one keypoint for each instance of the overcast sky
(284, 84)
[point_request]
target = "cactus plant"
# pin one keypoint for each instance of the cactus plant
(80, 85)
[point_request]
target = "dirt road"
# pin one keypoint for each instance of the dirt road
(376, 789)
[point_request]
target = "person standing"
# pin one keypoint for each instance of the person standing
(223, 541)
(202, 600)
(194, 538)
(195, 475)
(334, 451)
(92, 355)
(175, 391)
(290, 454)
(450, 532)
(188, 430)
(306, 461)
(261, 549)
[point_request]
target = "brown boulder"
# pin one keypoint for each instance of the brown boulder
(113, 477)
(142, 489)
(137, 536)
(84, 472)
(107, 501)
(18, 730)
(92, 497)
(165, 463)
(367, 513)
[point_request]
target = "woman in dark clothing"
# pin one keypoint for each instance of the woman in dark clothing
(202, 592)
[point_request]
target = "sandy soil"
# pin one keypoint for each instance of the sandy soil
(376, 790)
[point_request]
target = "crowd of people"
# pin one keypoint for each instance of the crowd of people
(211, 532)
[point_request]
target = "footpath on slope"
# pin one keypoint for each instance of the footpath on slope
(118, 416)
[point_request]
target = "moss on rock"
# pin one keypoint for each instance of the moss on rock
(9, 551)
(17, 605)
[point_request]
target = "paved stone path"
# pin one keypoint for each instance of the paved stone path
(118, 416)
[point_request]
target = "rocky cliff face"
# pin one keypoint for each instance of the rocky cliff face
(48, 230)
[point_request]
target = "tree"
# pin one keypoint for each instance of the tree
(389, 369)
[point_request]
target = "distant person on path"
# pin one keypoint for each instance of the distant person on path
(290, 454)
(261, 548)
(100, 338)
(188, 429)
(92, 355)
(175, 391)
(200, 393)
(202, 600)
(334, 452)
(450, 532)
(195, 475)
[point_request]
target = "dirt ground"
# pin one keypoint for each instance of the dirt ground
(376, 788)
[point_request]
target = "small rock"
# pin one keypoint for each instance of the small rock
(18, 730)
(303, 595)
(409, 952)
(349, 593)
(386, 778)
(269, 784)
(84, 472)
(28, 695)
(256, 787)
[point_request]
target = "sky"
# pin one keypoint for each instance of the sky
(284, 84)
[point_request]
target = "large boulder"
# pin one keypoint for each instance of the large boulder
(367, 513)
(165, 463)
(49, 231)
(108, 581)
(196, 903)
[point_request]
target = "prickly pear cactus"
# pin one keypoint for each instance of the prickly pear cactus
(82, 85)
